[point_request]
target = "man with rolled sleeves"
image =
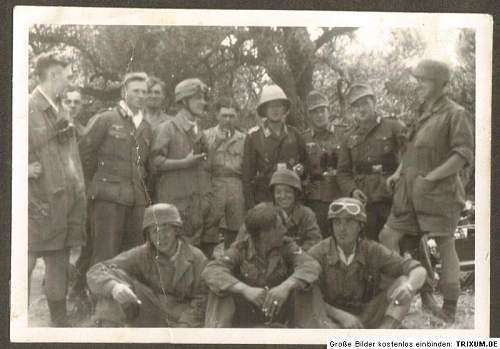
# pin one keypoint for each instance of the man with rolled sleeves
(178, 159)
(270, 146)
(429, 194)
(56, 191)
(323, 141)
(369, 154)
(356, 273)
(115, 150)
(157, 284)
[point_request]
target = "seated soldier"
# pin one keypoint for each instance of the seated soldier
(300, 220)
(352, 267)
(157, 284)
(252, 283)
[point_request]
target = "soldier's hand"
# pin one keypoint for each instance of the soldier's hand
(358, 194)
(299, 169)
(275, 298)
(123, 294)
(402, 294)
(391, 182)
(348, 320)
(193, 159)
(256, 295)
(34, 169)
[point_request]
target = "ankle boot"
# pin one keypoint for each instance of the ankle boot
(58, 316)
(450, 310)
(390, 323)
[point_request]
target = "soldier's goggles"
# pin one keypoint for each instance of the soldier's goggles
(351, 208)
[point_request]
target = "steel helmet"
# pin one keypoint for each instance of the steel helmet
(350, 205)
(161, 214)
(286, 176)
(433, 70)
(358, 91)
(189, 87)
(271, 93)
(316, 99)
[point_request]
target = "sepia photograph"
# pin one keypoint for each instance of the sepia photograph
(222, 176)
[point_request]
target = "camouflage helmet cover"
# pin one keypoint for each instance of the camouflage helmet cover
(432, 70)
(287, 177)
(161, 214)
(189, 87)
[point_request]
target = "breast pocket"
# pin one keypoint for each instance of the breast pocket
(105, 188)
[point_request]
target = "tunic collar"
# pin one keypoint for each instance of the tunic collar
(183, 122)
(268, 132)
(48, 99)
(334, 253)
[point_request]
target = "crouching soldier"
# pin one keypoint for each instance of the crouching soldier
(252, 284)
(352, 267)
(157, 284)
(300, 220)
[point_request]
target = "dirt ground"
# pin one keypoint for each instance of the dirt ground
(416, 319)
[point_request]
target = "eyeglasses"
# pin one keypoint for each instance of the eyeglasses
(351, 208)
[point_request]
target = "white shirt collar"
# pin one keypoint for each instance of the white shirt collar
(136, 118)
(51, 102)
(347, 260)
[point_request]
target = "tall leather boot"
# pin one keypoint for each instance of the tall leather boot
(450, 310)
(58, 316)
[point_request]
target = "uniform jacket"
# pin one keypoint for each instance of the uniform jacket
(241, 263)
(435, 135)
(301, 225)
(180, 279)
(114, 155)
(263, 151)
(156, 120)
(225, 154)
(175, 139)
(368, 157)
(323, 150)
(48, 209)
(350, 287)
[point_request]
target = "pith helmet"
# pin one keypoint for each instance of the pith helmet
(433, 70)
(316, 99)
(189, 87)
(358, 91)
(350, 205)
(161, 214)
(286, 176)
(271, 93)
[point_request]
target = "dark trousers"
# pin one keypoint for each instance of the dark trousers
(320, 209)
(56, 272)
(115, 228)
(376, 216)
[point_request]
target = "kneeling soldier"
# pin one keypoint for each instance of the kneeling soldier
(352, 270)
(157, 284)
(252, 283)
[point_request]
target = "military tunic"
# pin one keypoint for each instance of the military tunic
(240, 263)
(225, 158)
(321, 189)
(263, 151)
(367, 158)
(356, 288)
(171, 290)
(301, 226)
(114, 155)
(189, 189)
(422, 206)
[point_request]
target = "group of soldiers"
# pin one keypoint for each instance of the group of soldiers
(270, 227)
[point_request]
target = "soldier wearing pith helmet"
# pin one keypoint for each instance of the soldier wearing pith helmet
(368, 155)
(323, 140)
(429, 194)
(270, 146)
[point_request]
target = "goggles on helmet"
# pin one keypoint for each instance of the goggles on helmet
(350, 207)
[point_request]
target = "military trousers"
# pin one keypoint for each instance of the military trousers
(320, 209)
(376, 216)
(115, 228)
(155, 310)
(56, 272)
